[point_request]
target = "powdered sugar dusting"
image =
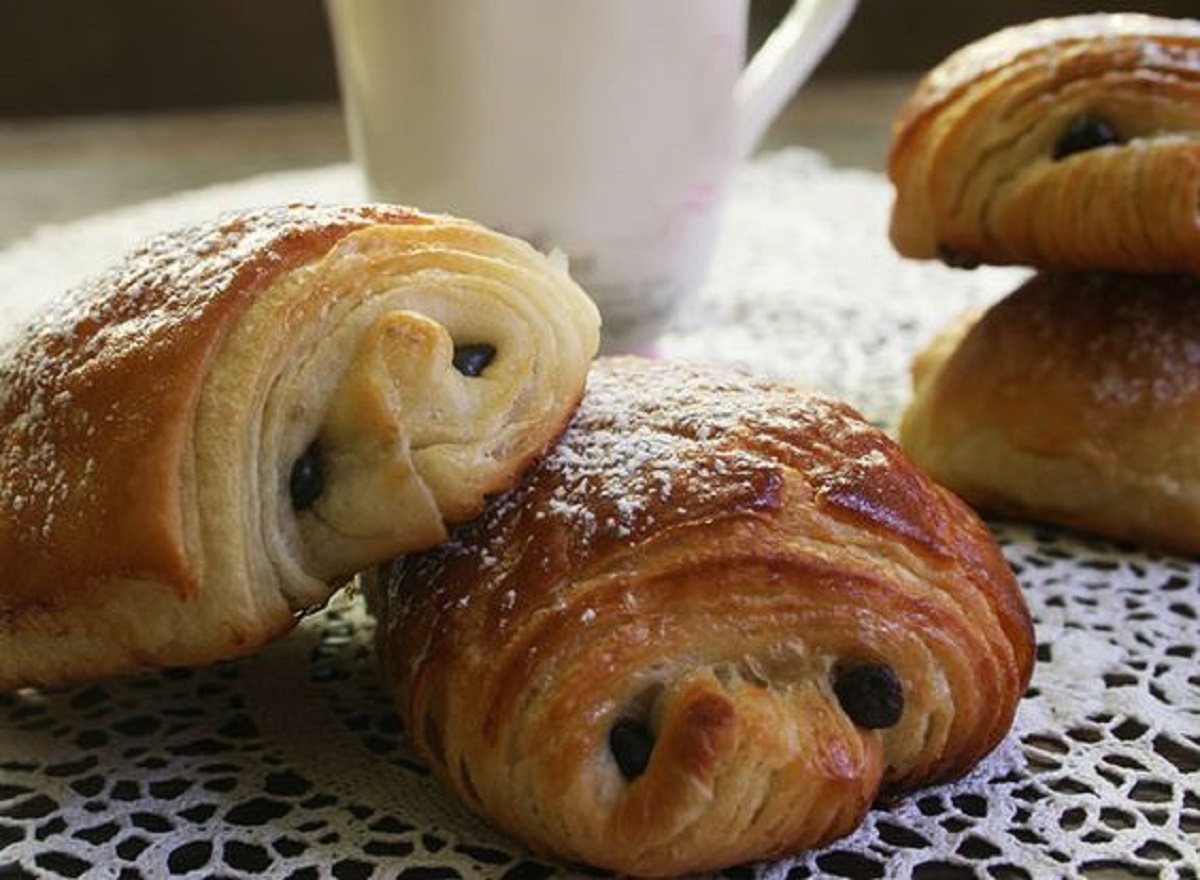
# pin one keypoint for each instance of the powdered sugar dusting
(1126, 342)
(647, 445)
(175, 276)
(657, 444)
(79, 373)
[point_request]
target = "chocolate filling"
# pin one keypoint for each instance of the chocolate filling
(631, 743)
(955, 258)
(307, 480)
(871, 694)
(472, 359)
(1086, 132)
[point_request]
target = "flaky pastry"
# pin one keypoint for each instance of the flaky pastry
(1074, 400)
(1064, 143)
(207, 440)
(713, 625)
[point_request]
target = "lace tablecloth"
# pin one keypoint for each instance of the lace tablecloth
(292, 763)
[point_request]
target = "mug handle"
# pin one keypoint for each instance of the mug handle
(791, 52)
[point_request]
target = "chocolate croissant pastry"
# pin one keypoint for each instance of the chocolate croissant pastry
(1075, 400)
(1065, 143)
(713, 625)
(210, 438)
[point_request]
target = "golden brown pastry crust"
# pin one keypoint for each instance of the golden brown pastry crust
(700, 556)
(1074, 400)
(149, 421)
(973, 156)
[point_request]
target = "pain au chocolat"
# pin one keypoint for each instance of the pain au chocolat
(1074, 400)
(210, 438)
(1069, 143)
(713, 625)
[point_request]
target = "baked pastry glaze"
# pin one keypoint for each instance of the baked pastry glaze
(206, 441)
(1075, 400)
(716, 622)
(1064, 143)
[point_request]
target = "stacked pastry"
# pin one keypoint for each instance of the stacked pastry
(209, 439)
(715, 620)
(1071, 146)
(713, 625)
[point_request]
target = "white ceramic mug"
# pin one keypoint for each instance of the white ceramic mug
(607, 129)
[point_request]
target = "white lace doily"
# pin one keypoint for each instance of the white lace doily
(292, 763)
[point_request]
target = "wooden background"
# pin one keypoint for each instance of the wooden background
(103, 56)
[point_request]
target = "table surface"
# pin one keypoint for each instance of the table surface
(61, 169)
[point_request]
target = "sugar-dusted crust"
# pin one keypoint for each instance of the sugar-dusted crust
(1076, 401)
(699, 558)
(973, 154)
(150, 420)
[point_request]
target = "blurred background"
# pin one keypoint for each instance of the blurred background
(105, 102)
(100, 56)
